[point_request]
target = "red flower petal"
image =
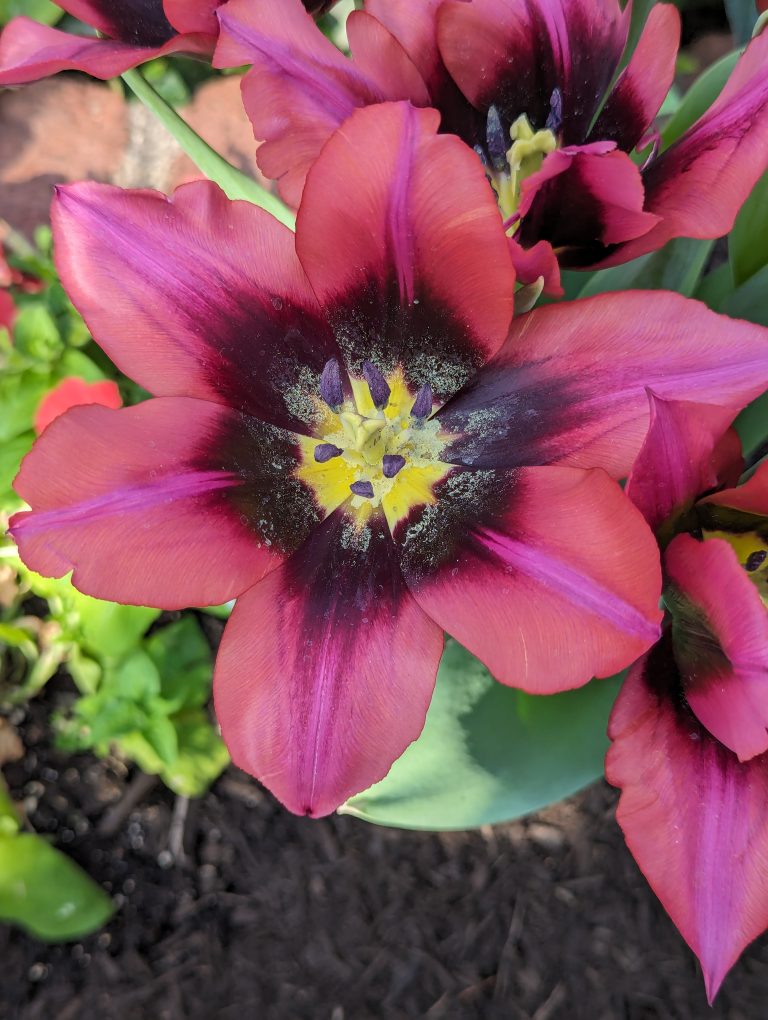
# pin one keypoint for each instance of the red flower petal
(721, 642)
(326, 669)
(30, 51)
(694, 818)
(193, 15)
(72, 392)
(687, 451)
(545, 606)
(170, 503)
(699, 184)
(537, 262)
(514, 55)
(643, 85)
(751, 497)
(194, 295)
(413, 269)
(603, 192)
(570, 384)
(301, 87)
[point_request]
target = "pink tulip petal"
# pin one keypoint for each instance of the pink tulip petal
(195, 296)
(694, 817)
(514, 55)
(699, 184)
(414, 25)
(682, 457)
(326, 669)
(411, 272)
(751, 497)
(30, 51)
(570, 384)
(301, 87)
(603, 192)
(171, 503)
(537, 262)
(142, 22)
(73, 392)
(720, 629)
(643, 85)
(193, 15)
(546, 606)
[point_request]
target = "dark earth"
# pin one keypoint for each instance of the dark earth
(268, 916)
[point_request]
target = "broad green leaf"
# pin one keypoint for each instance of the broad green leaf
(136, 678)
(748, 241)
(699, 97)
(201, 756)
(12, 451)
(110, 630)
(39, 10)
(716, 287)
(46, 893)
(35, 333)
(160, 733)
(183, 659)
(489, 753)
(749, 300)
(752, 425)
(76, 363)
(677, 266)
(640, 11)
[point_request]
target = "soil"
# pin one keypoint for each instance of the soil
(271, 917)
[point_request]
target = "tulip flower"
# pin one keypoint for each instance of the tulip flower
(135, 31)
(534, 88)
(690, 726)
(346, 435)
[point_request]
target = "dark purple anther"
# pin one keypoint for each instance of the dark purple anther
(755, 560)
(377, 385)
(422, 405)
(331, 389)
(362, 489)
(325, 452)
(392, 463)
(494, 139)
(555, 118)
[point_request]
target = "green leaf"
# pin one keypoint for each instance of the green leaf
(9, 819)
(46, 893)
(110, 630)
(202, 756)
(752, 425)
(12, 451)
(183, 659)
(79, 364)
(489, 753)
(160, 733)
(39, 10)
(749, 300)
(699, 97)
(748, 241)
(35, 333)
(19, 397)
(677, 266)
(640, 11)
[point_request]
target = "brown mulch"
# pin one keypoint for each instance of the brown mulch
(273, 917)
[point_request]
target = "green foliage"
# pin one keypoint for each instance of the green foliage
(489, 753)
(699, 97)
(748, 241)
(40, 10)
(677, 266)
(149, 705)
(742, 16)
(41, 889)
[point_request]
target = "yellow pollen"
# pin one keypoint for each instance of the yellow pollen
(365, 436)
(524, 158)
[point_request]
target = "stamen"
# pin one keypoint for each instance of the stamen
(422, 405)
(362, 489)
(377, 385)
(494, 136)
(325, 452)
(555, 118)
(331, 389)
(755, 560)
(392, 463)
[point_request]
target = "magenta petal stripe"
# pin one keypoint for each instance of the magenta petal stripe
(326, 668)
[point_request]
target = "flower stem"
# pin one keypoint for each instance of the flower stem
(233, 182)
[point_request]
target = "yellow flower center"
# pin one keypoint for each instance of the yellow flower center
(524, 158)
(377, 457)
